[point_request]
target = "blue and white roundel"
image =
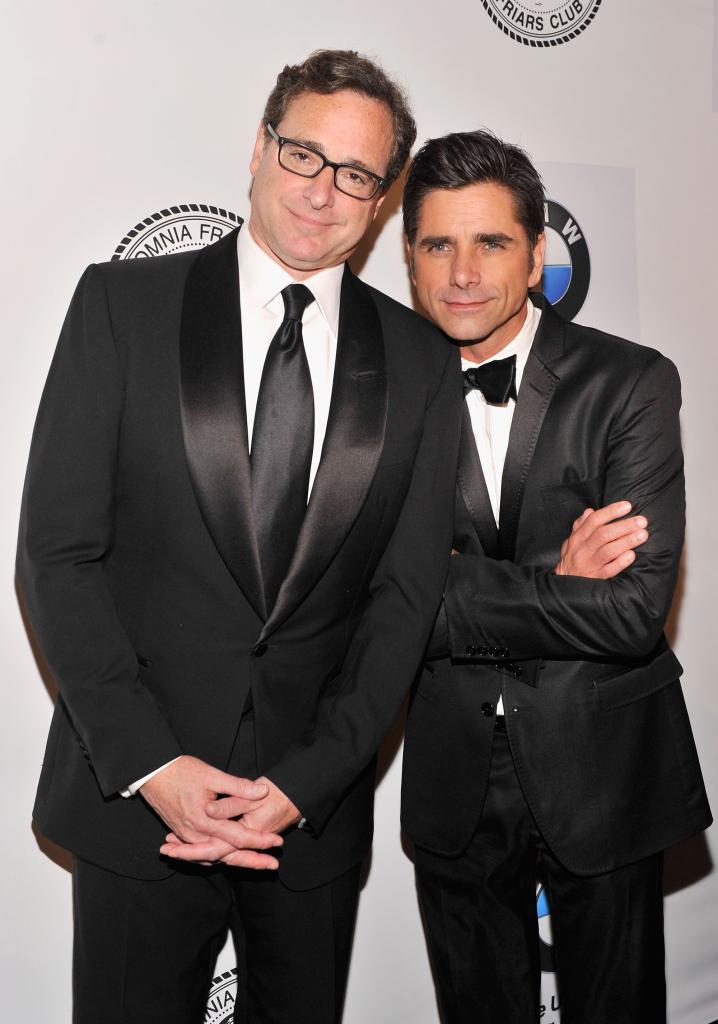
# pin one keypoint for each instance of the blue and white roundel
(567, 266)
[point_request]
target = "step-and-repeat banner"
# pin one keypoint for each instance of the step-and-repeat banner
(127, 134)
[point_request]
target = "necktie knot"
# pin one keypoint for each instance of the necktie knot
(296, 299)
(495, 380)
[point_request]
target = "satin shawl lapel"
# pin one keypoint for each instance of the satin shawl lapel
(352, 446)
(473, 490)
(537, 387)
(214, 415)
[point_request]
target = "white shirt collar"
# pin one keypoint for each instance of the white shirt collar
(520, 346)
(262, 279)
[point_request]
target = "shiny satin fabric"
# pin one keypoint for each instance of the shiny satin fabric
(282, 443)
(495, 380)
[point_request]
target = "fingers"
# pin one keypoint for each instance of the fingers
(577, 523)
(245, 789)
(600, 540)
(230, 807)
(596, 531)
(216, 851)
(241, 837)
(618, 565)
(250, 859)
(623, 528)
(210, 851)
(622, 545)
(615, 510)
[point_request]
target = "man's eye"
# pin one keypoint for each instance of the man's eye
(438, 247)
(493, 246)
(353, 177)
(299, 156)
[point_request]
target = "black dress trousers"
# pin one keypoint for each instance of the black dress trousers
(145, 951)
(479, 913)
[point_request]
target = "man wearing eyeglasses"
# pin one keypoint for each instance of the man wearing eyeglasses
(235, 531)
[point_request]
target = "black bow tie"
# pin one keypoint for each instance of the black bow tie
(495, 380)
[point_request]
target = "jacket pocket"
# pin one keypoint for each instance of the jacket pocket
(616, 691)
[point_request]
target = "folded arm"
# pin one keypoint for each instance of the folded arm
(539, 612)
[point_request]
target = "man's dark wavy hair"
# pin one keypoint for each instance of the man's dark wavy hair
(472, 158)
(330, 71)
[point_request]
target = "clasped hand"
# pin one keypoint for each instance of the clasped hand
(602, 541)
(214, 816)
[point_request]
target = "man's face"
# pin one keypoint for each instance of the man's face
(306, 224)
(472, 266)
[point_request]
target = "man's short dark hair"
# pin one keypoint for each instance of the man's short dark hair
(330, 71)
(473, 158)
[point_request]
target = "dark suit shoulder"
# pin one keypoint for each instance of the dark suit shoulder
(143, 297)
(138, 273)
(610, 349)
(393, 311)
(407, 330)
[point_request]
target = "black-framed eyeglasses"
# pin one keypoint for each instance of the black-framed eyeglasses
(350, 179)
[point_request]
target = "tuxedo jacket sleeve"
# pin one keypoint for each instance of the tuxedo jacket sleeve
(66, 532)
(532, 612)
(386, 648)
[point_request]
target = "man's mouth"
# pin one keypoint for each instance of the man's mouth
(311, 221)
(464, 305)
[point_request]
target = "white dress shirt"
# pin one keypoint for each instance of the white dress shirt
(262, 311)
(491, 424)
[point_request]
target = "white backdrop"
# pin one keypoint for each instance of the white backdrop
(114, 111)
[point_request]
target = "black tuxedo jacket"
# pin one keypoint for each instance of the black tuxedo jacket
(139, 568)
(595, 714)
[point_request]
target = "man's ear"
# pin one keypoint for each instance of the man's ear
(410, 261)
(259, 144)
(538, 254)
(379, 201)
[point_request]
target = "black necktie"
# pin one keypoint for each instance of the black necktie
(282, 444)
(495, 380)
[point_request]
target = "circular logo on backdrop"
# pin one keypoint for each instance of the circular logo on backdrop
(220, 1005)
(546, 23)
(544, 923)
(567, 266)
(187, 226)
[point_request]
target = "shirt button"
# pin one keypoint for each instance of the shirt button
(259, 650)
(487, 709)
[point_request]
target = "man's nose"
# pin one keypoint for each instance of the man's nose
(320, 190)
(465, 271)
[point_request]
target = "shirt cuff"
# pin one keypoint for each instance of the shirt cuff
(134, 787)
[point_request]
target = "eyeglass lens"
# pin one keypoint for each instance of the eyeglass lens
(306, 162)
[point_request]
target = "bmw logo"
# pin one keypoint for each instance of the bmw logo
(567, 268)
(544, 922)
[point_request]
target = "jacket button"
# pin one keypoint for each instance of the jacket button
(259, 650)
(470, 650)
(483, 651)
(487, 709)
